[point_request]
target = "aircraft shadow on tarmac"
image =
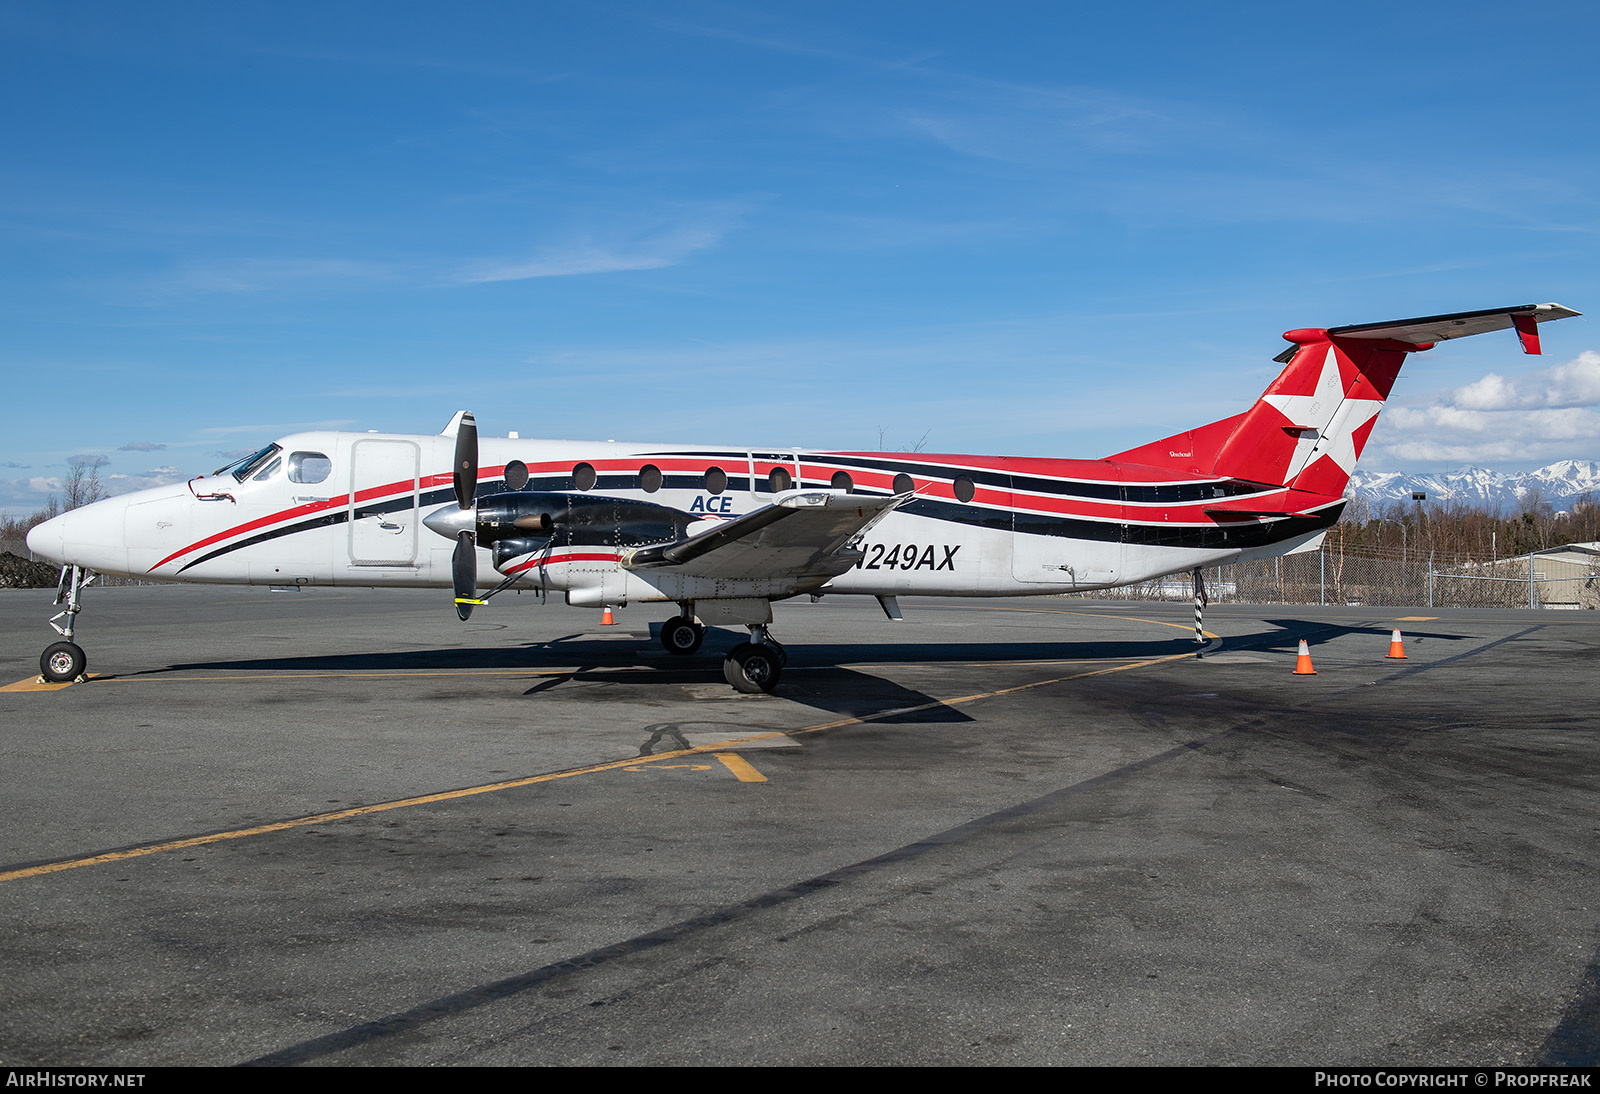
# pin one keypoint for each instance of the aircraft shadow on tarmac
(813, 679)
(1290, 631)
(816, 676)
(645, 655)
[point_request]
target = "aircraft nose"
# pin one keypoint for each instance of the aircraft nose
(49, 539)
(91, 536)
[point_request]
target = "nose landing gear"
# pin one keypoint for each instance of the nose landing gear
(64, 662)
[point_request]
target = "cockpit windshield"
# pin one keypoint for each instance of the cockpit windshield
(241, 469)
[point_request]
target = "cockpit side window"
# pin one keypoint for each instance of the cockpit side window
(268, 471)
(309, 467)
(249, 465)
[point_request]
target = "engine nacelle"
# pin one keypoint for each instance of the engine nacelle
(577, 519)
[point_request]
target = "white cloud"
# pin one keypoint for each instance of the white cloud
(1574, 384)
(156, 476)
(1551, 414)
(19, 497)
(1020, 124)
(573, 259)
(22, 496)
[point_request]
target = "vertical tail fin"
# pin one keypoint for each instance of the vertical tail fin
(1309, 427)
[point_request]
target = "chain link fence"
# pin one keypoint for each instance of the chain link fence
(1562, 578)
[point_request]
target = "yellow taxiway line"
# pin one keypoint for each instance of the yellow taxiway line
(533, 780)
(35, 683)
(740, 767)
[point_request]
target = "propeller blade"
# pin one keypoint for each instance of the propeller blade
(466, 467)
(464, 569)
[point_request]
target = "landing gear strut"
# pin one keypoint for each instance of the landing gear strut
(756, 665)
(63, 662)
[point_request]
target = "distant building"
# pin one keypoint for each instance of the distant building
(1563, 577)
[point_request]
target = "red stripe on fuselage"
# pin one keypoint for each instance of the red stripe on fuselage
(558, 560)
(425, 482)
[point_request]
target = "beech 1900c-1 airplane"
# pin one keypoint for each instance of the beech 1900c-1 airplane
(723, 532)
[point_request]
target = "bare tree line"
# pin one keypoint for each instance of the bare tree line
(1461, 532)
(81, 486)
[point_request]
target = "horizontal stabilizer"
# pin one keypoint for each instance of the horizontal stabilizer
(1430, 329)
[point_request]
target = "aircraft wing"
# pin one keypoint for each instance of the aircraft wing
(803, 535)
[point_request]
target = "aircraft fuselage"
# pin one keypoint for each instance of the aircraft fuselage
(977, 526)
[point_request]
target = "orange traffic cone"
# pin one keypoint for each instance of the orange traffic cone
(1397, 649)
(605, 617)
(1302, 664)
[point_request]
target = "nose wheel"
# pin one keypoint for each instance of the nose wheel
(62, 662)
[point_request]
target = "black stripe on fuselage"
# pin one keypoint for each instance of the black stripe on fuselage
(327, 519)
(1202, 536)
(1168, 493)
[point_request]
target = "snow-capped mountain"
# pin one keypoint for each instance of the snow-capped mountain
(1560, 484)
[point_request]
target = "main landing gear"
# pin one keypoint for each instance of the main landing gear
(750, 667)
(681, 635)
(63, 662)
(756, 665)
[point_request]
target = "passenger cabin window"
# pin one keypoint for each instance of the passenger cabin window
(716, 480)
(778, 480)
(584, 477)
(965, 489)
(650, 478)
(843, 481)
(516, 474)
(903, 484)
(309, 467)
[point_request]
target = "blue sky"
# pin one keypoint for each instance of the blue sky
(1041, 229)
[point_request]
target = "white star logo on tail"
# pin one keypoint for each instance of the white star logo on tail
(1334, 418)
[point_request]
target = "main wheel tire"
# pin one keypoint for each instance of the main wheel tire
(681, 636)
(751, 668)
(62, 662)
